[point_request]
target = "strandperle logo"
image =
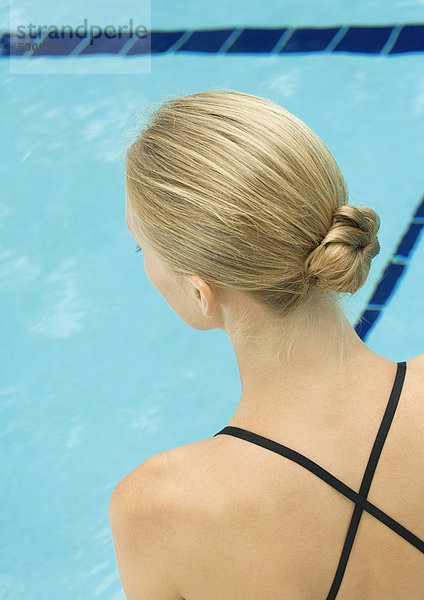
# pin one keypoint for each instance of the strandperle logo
(94, 32)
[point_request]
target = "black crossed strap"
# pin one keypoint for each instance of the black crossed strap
(360, 499)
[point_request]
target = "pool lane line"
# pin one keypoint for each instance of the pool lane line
(377, 40)
(392, 275)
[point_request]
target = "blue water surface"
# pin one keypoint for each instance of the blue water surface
(98, 373)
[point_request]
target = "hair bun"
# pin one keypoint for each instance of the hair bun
(342, 260)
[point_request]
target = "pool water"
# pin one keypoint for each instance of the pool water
(98, 372)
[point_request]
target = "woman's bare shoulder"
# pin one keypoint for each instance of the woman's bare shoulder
(415, 368)
(169, 473)
(417, 361)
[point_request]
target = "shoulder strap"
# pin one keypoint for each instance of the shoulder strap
(361, 503)
(367, 479)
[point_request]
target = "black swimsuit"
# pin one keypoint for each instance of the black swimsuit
(360, 499)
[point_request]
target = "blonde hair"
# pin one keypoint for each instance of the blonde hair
(235, 189)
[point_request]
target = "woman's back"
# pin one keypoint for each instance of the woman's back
(253, 524)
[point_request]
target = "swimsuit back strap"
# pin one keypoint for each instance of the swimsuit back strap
(360, 499)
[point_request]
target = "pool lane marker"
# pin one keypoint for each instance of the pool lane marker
(392, 275)
(386, 40)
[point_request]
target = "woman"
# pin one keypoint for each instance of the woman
(242, 215)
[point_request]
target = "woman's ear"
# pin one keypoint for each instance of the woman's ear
(204, 294)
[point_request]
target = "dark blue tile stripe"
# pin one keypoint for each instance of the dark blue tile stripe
(389, 40)
(310, 39)
(392, 274)
(368, 40)
(206, 41)
(255, 41)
